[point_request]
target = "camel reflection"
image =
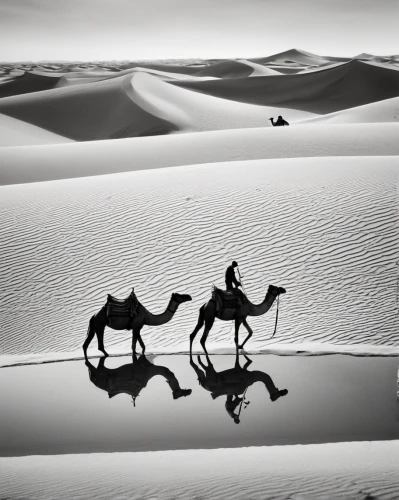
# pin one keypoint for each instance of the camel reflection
(132, 378)
(233, 383)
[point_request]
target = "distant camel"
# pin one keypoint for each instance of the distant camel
(132, 378)
(280, 122)
(233, 383)
(135, 322)
(208, 312)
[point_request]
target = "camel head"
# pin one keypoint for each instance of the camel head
(276, 290)
(179, 298)
(181, 393)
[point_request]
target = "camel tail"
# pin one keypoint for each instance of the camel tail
(90, 334)
(200, 324)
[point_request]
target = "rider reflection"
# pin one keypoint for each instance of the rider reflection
(233, 383)
(132, 378)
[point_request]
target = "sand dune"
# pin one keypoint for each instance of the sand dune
(299, 57)
(18, 133)
(26, 83)
(363, 470)
(227, 69)
(19, 165)
(376, 112)
(325, 228)
(326, 91)
(259, 70)
(131, 106)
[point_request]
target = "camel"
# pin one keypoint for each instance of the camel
(208, 312)
(233, 382)
(132, 378)
(141, 317)
(280, 122)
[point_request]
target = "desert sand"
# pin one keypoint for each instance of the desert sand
(156, 175)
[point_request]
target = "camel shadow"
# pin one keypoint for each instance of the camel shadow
(131, 378)
(233, 383)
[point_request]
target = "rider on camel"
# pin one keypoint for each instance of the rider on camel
(231, 277)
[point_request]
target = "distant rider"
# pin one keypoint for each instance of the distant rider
(231, 277)
(279, 123)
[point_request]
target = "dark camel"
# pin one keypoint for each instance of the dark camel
(99, 321)
(233, 382)
(208, 313)
(132, 378)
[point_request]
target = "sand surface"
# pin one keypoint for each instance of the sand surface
(324, 228)
(329, 471)
(198, 178)
(20, 165)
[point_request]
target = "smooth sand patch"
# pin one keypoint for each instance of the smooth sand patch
(15, 132)
(37, 164)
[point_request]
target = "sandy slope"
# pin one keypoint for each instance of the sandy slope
(341, 470)
(131, 106)
(376, 112)
(325, 91)
(325, 228)
(300, 57)
(28, 82)
(259, 70)
(92, 158)
(18, 133)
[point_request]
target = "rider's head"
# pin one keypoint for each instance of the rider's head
(236, 420)
(234, 263)
(280, 117)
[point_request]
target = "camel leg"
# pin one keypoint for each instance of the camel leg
(236, 328)
(90, 335)
(208, 325)
(250, 332)
(249, 362)
(142, 345)
(100, 338)
(201, 363)
(135, 337)
(198, 327)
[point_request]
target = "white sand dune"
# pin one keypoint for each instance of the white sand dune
(363, 470)
(325, 228)
(131, 106)
(299, 57)
(333, 89)
(376, 112)
(259, 70)
(227, 69)
(18, 133)
(20, 165)
(28, 82)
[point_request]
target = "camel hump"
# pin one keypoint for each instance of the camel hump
(120, 312)
(227, 299)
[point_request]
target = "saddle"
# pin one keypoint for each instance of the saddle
(120, 312)
(227, 299)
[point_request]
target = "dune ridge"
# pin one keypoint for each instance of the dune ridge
(344, 86)
(377, 112)
(133, 106)
(37, 164)
(325, 228)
